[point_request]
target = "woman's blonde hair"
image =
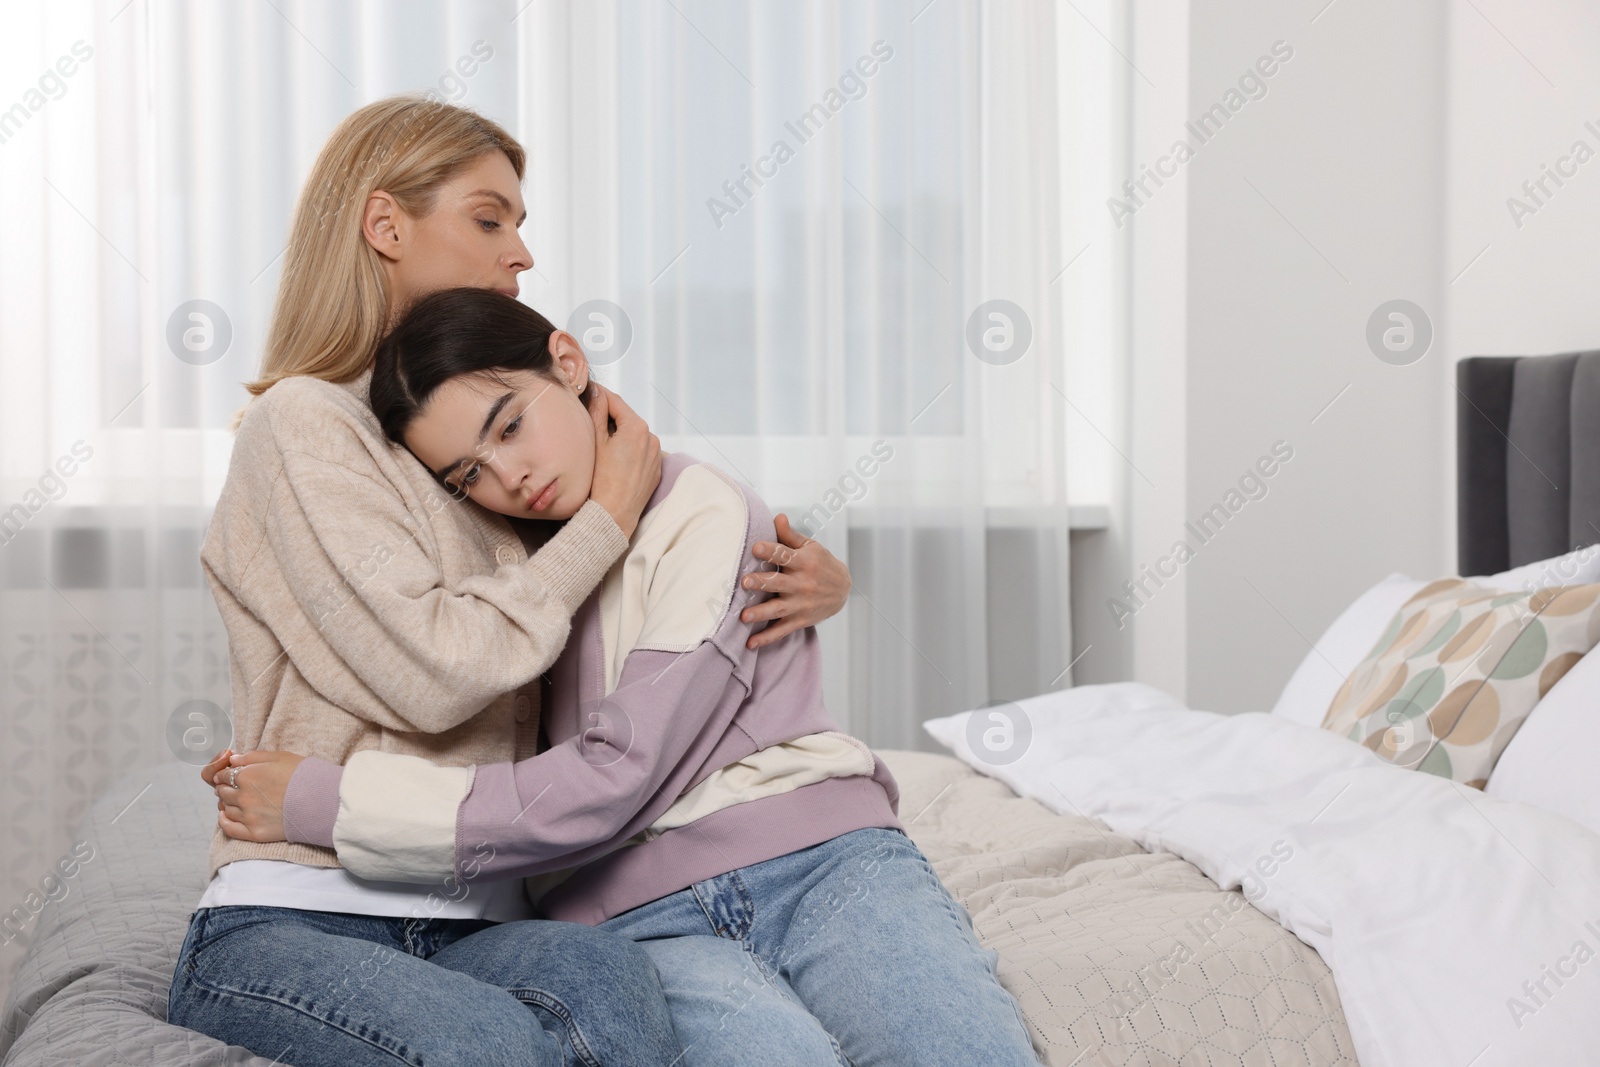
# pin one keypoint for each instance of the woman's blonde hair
(333, 302)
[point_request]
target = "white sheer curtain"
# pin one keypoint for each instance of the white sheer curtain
(797, 209)
(808, 333)
(160, 171)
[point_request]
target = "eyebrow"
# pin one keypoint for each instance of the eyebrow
(499, 199)
(494, 413)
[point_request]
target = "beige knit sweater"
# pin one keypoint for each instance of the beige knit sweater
(365, 609)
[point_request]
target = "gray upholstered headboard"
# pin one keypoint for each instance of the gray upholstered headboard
(1527, 458)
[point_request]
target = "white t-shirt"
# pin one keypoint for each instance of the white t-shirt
(281, 884)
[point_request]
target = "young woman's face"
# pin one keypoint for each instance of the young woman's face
(523, 447)
(469, 239)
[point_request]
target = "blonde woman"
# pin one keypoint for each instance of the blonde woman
(367, 610)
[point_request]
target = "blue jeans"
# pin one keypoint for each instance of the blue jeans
(322, 989)
(850, 952)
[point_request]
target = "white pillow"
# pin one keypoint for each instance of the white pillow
(1550, 761)
(1343, 645)
(1575, 568)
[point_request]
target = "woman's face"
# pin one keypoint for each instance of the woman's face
(469, 239)
(523, 447)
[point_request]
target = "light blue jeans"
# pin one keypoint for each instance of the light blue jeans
(323, 989)
(851, 952)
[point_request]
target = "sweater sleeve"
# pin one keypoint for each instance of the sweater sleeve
(355, 572)
(402, 819)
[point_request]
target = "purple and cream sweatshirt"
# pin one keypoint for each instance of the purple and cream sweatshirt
(675, 752)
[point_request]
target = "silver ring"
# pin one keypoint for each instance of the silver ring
(233, 777)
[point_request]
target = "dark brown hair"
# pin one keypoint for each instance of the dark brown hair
(446, 335)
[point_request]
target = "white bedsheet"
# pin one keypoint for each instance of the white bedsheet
(1462, 930)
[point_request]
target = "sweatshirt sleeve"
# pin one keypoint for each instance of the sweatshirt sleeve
(401, 818)
(347, 567)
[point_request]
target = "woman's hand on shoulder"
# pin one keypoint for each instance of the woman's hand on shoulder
(627, 463)
(811, 584)
(250, 788)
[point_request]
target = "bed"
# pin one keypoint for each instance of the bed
(1163, 886)
(1072, 909)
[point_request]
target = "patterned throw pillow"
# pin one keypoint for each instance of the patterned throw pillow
(1457, 671)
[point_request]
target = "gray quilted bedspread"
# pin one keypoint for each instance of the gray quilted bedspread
(1085, 922)
(92, 989)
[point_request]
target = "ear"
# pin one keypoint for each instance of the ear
(380, 224)
(569, 360)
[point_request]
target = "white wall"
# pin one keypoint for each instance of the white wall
(1390, 144)
(1313, 205)
(1516, 106)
